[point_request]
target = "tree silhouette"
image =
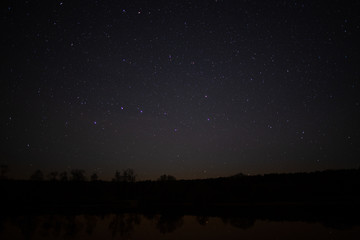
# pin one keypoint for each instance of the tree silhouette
(53, 176)
(166, 178)
(78, 175)
(118, 177)
(63, 176)
(127, 176)
(94, 177)
(37, 176)
(3, 171)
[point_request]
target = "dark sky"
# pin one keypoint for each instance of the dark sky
(195, 89)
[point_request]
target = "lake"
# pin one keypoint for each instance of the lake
(156, 226)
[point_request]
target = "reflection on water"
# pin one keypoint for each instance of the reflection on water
(136, 226)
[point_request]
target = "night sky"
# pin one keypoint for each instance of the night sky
(194, 89)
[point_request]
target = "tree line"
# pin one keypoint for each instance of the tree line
(79, 175)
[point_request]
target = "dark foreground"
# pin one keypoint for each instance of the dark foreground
(228, 222)
(319, 205)
(340, 187)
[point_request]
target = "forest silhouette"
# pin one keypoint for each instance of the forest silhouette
(74, 189)
(331, 197)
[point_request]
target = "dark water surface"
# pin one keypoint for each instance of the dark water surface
(156, 226)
